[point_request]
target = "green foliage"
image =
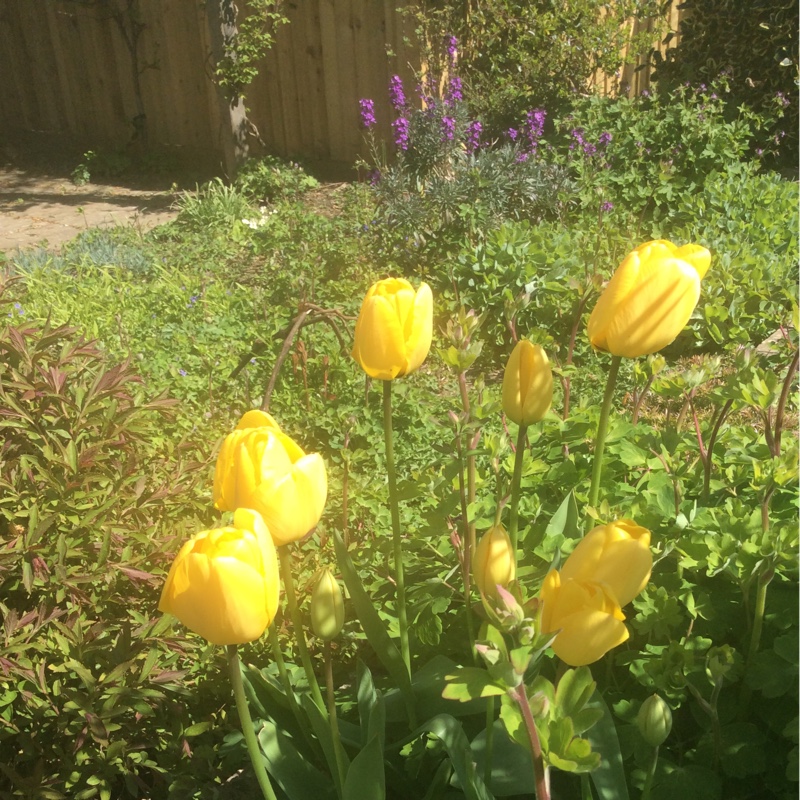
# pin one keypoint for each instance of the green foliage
(518, 55)
(271, 179)
(755, 46)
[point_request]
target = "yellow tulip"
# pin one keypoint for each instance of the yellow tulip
(588, 619)
(608, 568)
(616, 555)
(224, 583)
(527, 384)
(649, 299)
(264, 469)
(394, 329)
(327, 607)
(494, 561)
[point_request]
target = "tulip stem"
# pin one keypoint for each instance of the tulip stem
(602, 430)
(253, 748)
(297, 624)
(651, 773)
(516, 480)
(539, 772)
(337, 742)
(396, 536)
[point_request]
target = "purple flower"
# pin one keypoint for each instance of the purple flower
(607, 206)
(604, 139)
(374, 177)
(400, 127)
(474, 136)
(535, 120)
(448, 129)
(397, 94)
(589, 149)
(512, 134)
(452, 48)
(367, 113)
(182, 373)
(577, 135)
(454, 91)
(759, 152)
(645, 93)
(521, 158)
(19, 309)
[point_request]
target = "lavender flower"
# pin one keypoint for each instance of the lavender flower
(397, 94)
(400, 127)
(512, 134)
(367, 113)
(448, 129)
(607, 206)
(452, 48)
(454, 91)
(474, 130)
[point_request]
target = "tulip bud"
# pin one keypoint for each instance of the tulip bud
(527, 384)
(327, 607)
(494, 562)
(654, 721)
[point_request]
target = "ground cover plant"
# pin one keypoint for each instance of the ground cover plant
(438, 683)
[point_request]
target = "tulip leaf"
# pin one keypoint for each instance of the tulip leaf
(324, 736)
(564, 524)
(449, 731)
(373, 626)
(296, 776)
(366, 779)
(371, 708)
(609, 776)
(469, 683)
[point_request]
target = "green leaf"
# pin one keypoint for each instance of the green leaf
(574, 690)
(609, 776)
(371, 707)
(469, 683)
(373, 625)
(322, 731)
(296, 776)
(565, 521)
(366, 778)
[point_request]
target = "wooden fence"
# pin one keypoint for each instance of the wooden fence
(78, 69)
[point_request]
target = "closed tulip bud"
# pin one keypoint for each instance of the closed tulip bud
(394, 329)
(527, 384)
(586, 616)
(327, 607)
(616, 555)
(264, 469)
(649, 299)
(494, 563)
(224, 584)
(654, 721)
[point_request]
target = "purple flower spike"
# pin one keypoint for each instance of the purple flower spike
(454, 91)
(400, 127)
(397, 94)
(452, 48)
(448, 129)
(367, 113)
(474, 130)
(512, 134)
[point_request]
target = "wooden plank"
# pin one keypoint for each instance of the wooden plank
(15, 77)
(287, 86)
(65, 92)
(317, 112)
(332, 79)
(348, 81)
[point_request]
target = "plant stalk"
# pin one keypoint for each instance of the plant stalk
(253, 748)
(466, 561)
(396, 535)
(651, 773)
(602, 430)
(337, 743)
(297, 624)
(539, 772)
(516, 480)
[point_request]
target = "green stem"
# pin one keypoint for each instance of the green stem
(247, 724)
(539, 772)
(337, 742)
(762, 582)
(396, 537)
(516, 480)
(287, 684)
(487, 764)
(466, 561)
(297, 624)
(602, 430)
(651, 773)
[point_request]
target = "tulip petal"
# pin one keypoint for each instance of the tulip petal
(697, 256)
(257, 419)
(379, 340)
(611, 300)
(419, 329)
(587, 636)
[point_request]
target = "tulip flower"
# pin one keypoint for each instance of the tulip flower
(649, 299)
(494, 561)
(224, 583)
(607, 569)
(327, 607)
(262, 468)
(394, 329)
(527, 384)
(616, 555)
